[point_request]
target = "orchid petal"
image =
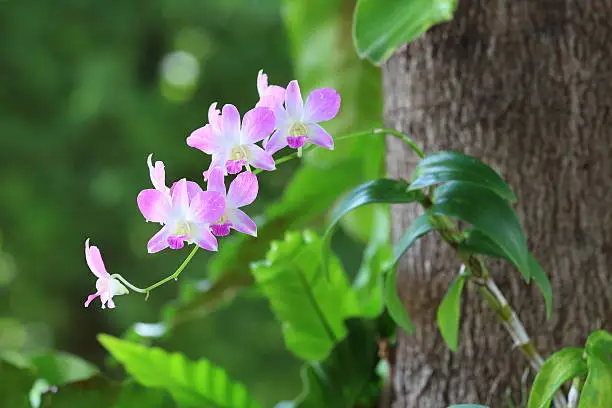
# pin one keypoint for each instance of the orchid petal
(293, 100)
(180, 195)
(154, 205)
(242, 222)
(258, 157)
(202, 236)
(257, 124)
(94, 260)
(230, 119)
(216, 180)
(317, 135)
(321, 105)
(159, 241)
(243, 190)
(207, 207)
(262, 83)
(207, 140)
(193, 188)
(157, 174)
(90, 298)
(277, 141)
(214, 117)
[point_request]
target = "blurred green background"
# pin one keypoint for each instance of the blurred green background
(89, 89)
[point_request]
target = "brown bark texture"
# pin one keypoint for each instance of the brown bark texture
(526, 86)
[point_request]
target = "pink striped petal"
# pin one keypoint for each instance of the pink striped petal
(94, 260)
(207, 207)
(204, 238)
(262, 83)
(180, 195)
(230, 120)
(243, 190)
(243, 223)
(159, 241)
(259, 158)
(216, 180)
(321, 105)
(293, 101)
(157, 173)
(90, 298)
(214, 117)
(277, 141)
(257, 124)
(193, 188)
(318, 136)
(206, 140)
(154, 205)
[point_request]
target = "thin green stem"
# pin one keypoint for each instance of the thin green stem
(405, 138)
(176, 273)
(128, 284)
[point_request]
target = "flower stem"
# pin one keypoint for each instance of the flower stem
(405, 138)
(126, 283)
(176, 273)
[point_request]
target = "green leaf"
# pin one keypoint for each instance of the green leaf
(487, 212)
(190, 383)
(377, 191)
(477, 242)
(340, 379)
(442, 167)
(60, 368)
(311, 308)
(419, 227)
(449, 313)
(134, 395)
(96, 392)
(396, 308)
(15, 385)
(556, 370)
(381, 26)
(597, 389)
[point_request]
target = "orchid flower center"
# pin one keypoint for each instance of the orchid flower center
(183, 229)
(238, 153)
(298, 130)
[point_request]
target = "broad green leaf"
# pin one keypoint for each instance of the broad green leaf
(311, 308)
(339, 380)
(441, 167)
(96, 392)
(396, 308)
(191, 383)
(597, 389)
(60, 368)
(449, 313)
(477, 242)
(556, 370)
(15, 385)
(134, 395)
(381, 26)
(419, 227)
(386, 191)
(369, 282)
(487, 212)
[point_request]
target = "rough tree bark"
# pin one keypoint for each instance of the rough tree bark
(525, 85)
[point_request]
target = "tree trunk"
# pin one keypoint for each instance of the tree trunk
(526, 86)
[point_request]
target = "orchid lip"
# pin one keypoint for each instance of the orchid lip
(221, 230)
(295, 142)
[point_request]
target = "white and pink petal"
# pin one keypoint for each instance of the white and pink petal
(321, 105)
(243, 190)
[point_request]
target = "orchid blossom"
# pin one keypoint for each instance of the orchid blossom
(270, 96)
(232, 144)
(242, 191)
(106, 286)
(184, 210)
(297, 123)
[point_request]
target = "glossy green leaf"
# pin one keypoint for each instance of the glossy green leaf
(487, 212)
(597, 389)
(477, 242)
(381, 26)
(442, 167)
(556, 371)
(339, 380)
(419, 227)
(449, 313)
(396, 308)
(60, 368)
(191, 383)
(311, 307)
(15, 384)
(386, 191)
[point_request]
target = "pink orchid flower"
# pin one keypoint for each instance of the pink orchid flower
(232, 144)
(184, 210)
(106, 286)
(270, 96)
(242, 191)
(297, 123)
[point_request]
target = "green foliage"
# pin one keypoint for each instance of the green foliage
(477, 242)
(449, 313)
(559, 368)
(312, 309)
(59, 368)
(15, 384)
(394, 304)
(96, 392)
(381, 26)
(597, 389)
(419, 227)
(190, 383)
(340, 380)
(441, 167)
(487, 212)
